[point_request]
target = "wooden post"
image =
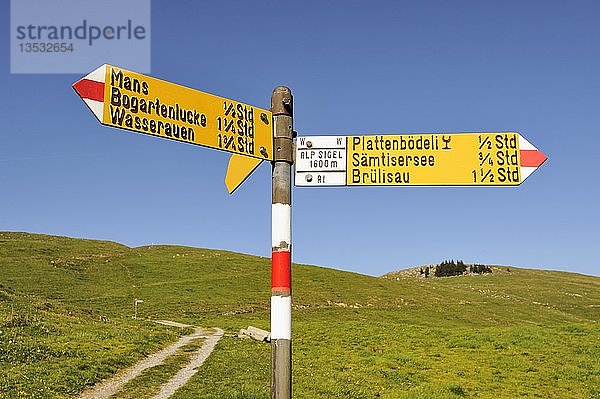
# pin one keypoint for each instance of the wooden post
(281, 273)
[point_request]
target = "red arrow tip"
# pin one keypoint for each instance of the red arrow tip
(532, 158)
(89, 89)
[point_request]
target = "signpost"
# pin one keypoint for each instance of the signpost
(463, 159)
(135, 306)
(131, 101)
(281, 243)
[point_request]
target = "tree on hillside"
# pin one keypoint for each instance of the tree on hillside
(450, 268)
(480, 269)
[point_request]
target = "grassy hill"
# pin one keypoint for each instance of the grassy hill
(66, 308)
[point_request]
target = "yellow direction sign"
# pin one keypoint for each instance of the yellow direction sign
(238, 170)
(463, 159)
(132, 101)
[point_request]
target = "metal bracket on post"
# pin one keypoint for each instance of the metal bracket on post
(283, 129)
(281, 273)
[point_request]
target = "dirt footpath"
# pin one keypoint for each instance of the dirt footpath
(109, 387)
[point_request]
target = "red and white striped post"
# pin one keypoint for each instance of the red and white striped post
(281, 234)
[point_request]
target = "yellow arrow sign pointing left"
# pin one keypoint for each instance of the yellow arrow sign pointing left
(132, 101)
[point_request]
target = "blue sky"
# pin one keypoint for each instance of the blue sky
(354, 68)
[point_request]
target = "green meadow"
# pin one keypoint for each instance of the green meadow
(66, 323)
